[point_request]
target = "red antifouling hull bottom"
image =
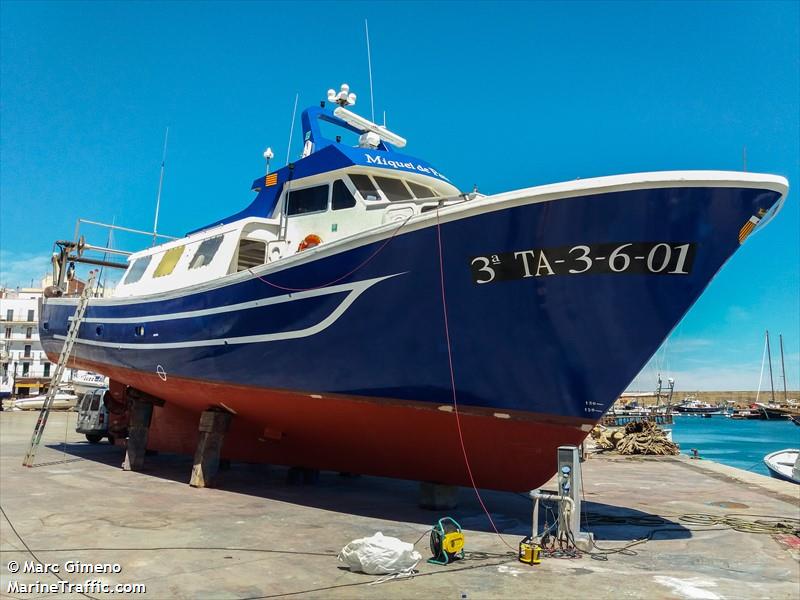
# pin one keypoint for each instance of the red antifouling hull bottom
(384, 437)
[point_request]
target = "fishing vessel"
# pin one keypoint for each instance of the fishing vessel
(362, 314)
(692, 406)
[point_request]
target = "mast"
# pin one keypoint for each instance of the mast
(160, 185)
(769, 359)
(783, 369)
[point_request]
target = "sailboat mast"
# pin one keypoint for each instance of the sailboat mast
(769, 359)
(783, 368)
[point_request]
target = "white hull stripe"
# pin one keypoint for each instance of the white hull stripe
(358, 286)
(356, 289)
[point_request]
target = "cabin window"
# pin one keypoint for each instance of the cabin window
(394, 189)
(365, 187)
(205, 253)
(137, 269)
(420, 191)
(342, 198)
(251, 254)
(308, 200)
(168, 261)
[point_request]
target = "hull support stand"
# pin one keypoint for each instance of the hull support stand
(213, 426)
(139, 427)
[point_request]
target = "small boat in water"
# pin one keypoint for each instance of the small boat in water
(784, 464)
(692, 406)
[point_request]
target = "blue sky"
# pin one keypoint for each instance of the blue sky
(502, 95)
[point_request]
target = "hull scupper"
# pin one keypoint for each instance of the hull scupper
(334, 355)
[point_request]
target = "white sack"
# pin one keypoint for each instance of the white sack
(379, 555)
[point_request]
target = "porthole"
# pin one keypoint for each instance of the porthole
(98, 330)
(139, 331)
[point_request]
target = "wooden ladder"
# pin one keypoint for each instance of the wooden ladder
(55, 380)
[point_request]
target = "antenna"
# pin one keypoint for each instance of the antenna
(160, 184)
(291, 129)
(369, 64)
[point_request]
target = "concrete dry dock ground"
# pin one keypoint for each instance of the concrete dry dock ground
(258, 537)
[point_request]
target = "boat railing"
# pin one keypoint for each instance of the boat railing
(77, 250)
(616, 420)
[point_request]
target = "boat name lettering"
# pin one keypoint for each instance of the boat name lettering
(642, 258)
(396, 164)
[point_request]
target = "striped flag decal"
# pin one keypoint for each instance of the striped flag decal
(747, 228)
(271, 179)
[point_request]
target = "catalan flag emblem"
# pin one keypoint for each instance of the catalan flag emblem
(747, 228)
(271, 179)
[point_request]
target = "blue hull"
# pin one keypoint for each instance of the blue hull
(561, 344)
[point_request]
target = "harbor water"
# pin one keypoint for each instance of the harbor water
(740, 444)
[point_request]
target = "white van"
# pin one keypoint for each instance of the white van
(93, 416)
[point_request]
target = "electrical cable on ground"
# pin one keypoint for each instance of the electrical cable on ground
(33, 554)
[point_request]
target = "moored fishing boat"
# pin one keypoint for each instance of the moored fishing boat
(361, 302)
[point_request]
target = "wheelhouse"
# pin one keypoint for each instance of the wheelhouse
(334, 191)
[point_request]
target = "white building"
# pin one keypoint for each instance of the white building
(24, 368)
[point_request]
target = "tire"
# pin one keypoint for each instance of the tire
(94, 438)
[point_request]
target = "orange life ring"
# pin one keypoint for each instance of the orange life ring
(309, 241)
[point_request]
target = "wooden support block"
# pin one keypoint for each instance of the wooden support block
(138, 428)
(213, 426)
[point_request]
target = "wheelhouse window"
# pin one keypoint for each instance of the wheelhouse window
(168, 261)
(251, 254)
(365, 187)
(308, 200)
(420, 191)
(341, 197)
(394, 189)
(205, 252)
(137, 269)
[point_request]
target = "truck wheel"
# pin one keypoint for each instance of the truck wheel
(93, 438)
